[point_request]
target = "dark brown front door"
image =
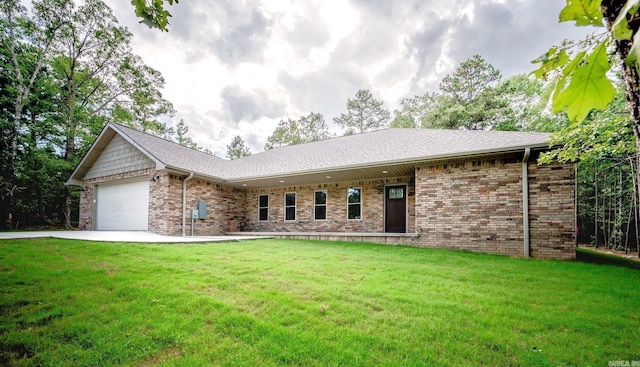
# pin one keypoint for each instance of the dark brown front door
(396, 209)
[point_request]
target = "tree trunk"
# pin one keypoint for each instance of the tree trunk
(610, 10)
(595, 216)
(70, 146)
(636, 238)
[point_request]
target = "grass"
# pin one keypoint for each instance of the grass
(289, 302)
(591, 256)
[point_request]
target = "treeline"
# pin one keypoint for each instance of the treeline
(66, 68)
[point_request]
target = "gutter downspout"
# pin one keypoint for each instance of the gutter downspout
(184, 202)
(525, 201)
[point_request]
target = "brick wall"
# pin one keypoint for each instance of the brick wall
(467, 205)
(225, 207)
(372, 208)
(165, 204)
(551, 211)
(477, 206)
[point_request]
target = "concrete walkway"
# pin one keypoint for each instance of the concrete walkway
(122, 236)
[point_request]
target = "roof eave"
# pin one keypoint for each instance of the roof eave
(186, 172)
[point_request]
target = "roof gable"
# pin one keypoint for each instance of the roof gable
(119, 156)
(163, 153)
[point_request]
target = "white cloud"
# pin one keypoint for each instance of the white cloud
(237, 67)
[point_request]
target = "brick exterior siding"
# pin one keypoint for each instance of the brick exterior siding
(225, 208)
(477, 206)
(225, 205)
(464, 205)
(372, 208)
(551, 211)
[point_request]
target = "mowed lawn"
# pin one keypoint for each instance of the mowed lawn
(288, 302)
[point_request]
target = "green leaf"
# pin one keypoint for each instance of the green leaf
(589, 87)
(634, 52)
(583, 12)
(568, 70)
(620, 28)
(551, 60)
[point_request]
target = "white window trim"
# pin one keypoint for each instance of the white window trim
(361, 203)
(262, 207)
(295, 207)
(326, 195)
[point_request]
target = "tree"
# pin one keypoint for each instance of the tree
(28, 41)
(280, 136)
(153, 13)
(364, 113)
(414, 111)
(237, 148)
(468, 99)
(470, 79)
(582, 82)
(516, 103)
(96, 71)
(65, 70)
(306, 129)
(181, 137)
(140, 103)
(526, 106)
(604, 147)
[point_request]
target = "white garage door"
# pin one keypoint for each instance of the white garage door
(123, 206)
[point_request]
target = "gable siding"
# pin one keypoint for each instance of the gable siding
(118, 157)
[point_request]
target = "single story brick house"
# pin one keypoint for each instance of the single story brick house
(480, 191)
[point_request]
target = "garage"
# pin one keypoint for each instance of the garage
(123, 206)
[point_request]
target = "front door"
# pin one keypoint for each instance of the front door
(396, 209)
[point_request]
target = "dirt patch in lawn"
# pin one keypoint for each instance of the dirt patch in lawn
(164, 355)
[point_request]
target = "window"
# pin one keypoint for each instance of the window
(354, 203)
(290, 206)
(263, 207)
(320, 205)
(396, 193)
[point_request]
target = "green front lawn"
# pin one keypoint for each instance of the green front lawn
(279, 302)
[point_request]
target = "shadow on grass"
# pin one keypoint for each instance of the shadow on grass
(595, 257)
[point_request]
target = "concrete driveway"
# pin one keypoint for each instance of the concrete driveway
(122, 236)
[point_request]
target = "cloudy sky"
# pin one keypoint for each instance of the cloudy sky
(237, 67)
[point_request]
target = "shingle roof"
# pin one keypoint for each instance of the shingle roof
(174, 155)
(356, 152)
(381, 147)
